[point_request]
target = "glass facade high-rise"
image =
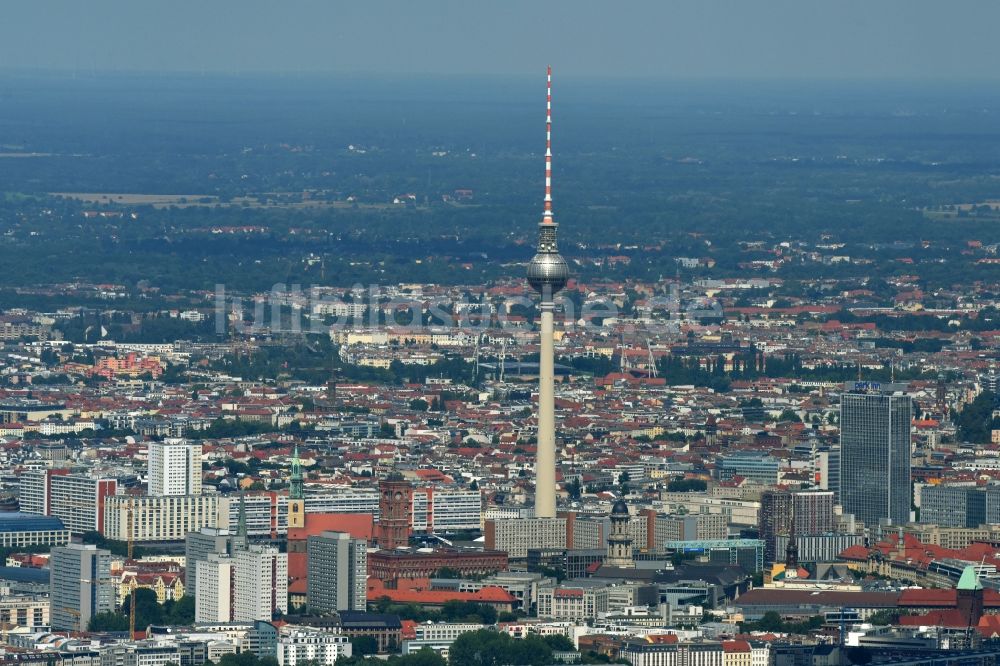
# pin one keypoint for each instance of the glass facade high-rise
(875, 453)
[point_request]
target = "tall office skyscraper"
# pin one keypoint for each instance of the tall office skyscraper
(875, 453)
(547, 274)
(337, 572)
(174, 468)
(80, 585)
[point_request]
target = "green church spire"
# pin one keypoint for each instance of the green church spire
(295, 483)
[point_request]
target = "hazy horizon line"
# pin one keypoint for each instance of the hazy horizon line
(86, 72)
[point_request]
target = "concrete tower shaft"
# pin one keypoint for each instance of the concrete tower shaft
(547, 274)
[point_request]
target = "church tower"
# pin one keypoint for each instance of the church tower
(969, 591)
(296, 500)
(241, 541)
(620, 540)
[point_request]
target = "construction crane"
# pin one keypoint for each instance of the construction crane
(5, 628)
(623, 361)
(130, 517)
(75, 613)
(652, 359)
(475, 375)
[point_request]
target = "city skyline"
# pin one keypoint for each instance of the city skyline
(295, 368)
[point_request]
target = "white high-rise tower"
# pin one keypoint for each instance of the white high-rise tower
(547, 274)
(174, 468)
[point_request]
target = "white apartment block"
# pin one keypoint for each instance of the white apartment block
(638, 652)
(261, 583)
(214, 585)
(33, 491)
(164, 518)
(174, 468)
(436, 510)
(76, 499)
(444, 631)
(572, 603)
(297, 645)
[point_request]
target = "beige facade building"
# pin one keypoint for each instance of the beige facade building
(167, 518)
(515, 537)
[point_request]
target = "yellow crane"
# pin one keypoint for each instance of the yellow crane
(75, 613)
(5, 628)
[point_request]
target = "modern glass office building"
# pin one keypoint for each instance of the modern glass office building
(875, 453)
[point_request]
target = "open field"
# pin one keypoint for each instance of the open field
(985, 210)
(292, 200)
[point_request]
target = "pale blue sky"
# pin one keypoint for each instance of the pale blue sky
(929, 39)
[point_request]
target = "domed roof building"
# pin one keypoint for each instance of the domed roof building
(620, 540)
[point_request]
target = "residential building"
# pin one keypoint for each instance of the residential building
(23, 610)
(517, 536)
(446, 510)
(174, 468)
(159, 518)
(212, 578)
(694, 527)
(77, 500)
(804, 513)
(199, 545)
(337, 572)
(775, 519)
(260, 583)
(304, 645)
(80, 585)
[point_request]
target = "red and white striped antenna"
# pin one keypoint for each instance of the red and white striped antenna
(547, 214)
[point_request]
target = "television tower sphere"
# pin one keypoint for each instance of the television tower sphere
(547, 273)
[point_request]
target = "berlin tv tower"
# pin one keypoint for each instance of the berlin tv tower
(547, 274)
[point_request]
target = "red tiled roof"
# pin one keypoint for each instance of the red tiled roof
(735, 646)
(358, 525)
(937, 618)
